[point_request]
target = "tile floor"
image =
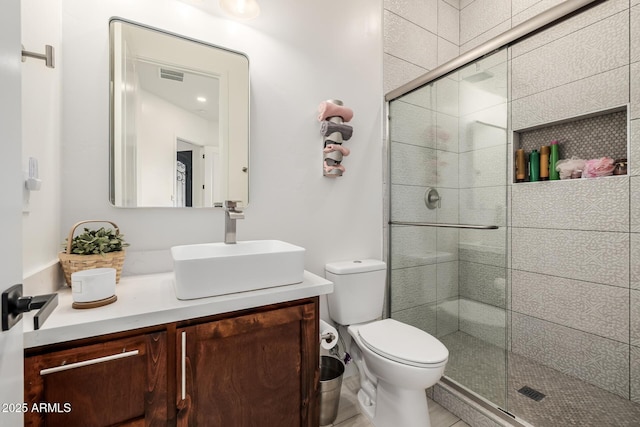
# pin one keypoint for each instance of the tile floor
(482, 367)
(349, 415)
(568, 401)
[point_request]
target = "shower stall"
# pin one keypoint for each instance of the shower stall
(540, 326)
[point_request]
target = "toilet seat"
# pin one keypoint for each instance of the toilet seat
(403, 343)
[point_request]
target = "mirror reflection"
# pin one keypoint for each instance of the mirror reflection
(179, 120)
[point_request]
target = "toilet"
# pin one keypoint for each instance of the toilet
(396, 361)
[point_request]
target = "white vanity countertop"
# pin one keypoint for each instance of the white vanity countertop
(150, 300)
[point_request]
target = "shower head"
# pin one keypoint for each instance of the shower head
(478, 76)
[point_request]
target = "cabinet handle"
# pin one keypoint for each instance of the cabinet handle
(183, 367)
(88, 362)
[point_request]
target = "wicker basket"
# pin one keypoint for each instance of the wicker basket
(73, 262)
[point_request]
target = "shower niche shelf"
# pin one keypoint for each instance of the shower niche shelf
(590, 136)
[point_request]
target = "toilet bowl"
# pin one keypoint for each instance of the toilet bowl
(396, 361)
(404, 361)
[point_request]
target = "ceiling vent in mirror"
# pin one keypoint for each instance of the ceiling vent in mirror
(171, 74)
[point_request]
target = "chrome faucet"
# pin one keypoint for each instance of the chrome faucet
(231, 214)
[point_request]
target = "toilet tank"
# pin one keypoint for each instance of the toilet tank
(358, 291)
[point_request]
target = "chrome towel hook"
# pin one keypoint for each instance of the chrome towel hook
(48, 56)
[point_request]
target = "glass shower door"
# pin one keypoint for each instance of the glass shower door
(448, 202)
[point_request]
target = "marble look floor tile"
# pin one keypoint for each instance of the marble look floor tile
(349, 415)
(440, 417)
(348, 406)
(357, 421)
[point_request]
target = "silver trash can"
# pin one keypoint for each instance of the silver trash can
(331, 372)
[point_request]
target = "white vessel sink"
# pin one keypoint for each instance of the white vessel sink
(211, 269)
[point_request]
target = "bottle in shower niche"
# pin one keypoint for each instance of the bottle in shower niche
(554, 157)
(521, 172)
(534, 166)
(544, 163)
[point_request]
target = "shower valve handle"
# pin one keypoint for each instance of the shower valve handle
(432, 199)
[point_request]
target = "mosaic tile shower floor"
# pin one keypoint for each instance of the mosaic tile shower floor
(568, 401)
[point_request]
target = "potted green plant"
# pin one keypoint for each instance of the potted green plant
(100, 241)
(94, 248)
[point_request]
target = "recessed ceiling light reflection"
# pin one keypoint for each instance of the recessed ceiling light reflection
(241, 9)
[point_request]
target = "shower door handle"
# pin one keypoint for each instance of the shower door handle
(445, 225)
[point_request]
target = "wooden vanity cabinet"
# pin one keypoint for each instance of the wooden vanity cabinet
(257, 369)
(116, 382)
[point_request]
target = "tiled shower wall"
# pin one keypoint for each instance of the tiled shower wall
(419, 36)
(574, 245)
(572, 241)
(425, 260)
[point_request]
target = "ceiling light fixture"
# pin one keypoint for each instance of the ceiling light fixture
(241, 9)
(201, 99)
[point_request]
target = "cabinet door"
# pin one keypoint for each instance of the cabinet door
(120, 382)
(259, 369)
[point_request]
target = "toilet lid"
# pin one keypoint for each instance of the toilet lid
(403, 343)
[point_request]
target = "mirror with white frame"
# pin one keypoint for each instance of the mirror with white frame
(179, 120)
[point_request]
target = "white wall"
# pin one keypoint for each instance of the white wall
(159, 124)
(41, 115)
(301, 53)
